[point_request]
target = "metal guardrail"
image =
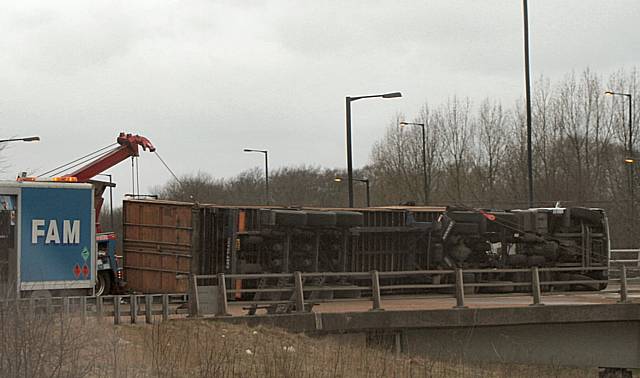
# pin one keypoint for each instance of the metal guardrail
(615, 258)
(101, 307)
(149, 306)
(297, 291)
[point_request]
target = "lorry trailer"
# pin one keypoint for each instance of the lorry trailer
(165, 242)
(47, 239)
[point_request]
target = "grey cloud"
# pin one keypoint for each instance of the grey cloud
(203, 79)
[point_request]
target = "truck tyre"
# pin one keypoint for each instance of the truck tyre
(103, 284)
(466, 228)
(321, 218)
(290, 217)
(588, 215)
(349, 219)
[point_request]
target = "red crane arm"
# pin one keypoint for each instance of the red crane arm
(128, 147)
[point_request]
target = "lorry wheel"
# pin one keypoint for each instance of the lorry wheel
(103, 284)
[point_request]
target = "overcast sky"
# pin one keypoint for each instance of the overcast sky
(204, 79)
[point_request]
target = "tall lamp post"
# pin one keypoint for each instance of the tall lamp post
(630, 159)
(266, 171)
(527, 84)
(424, 158)
(365, 181)
(348, 101)
(27, 139)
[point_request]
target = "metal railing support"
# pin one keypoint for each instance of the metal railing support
(83, 310)
(65, 306)
(133, 308)
(299, 292)
(535, 287)
(100, 308)
(623, 285)
(165, 307)
(459, 289)
(116, 309)
(194, 300)
(148, 309)
(375, 291)
(223, 305)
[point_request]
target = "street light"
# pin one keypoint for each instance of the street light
(366, 182)
(26, 139)
(348, 101)
(527, 86)
(629, 160)
(630, 146)
(266, 170)
(424, 157)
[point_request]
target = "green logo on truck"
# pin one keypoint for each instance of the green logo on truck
(85, 253)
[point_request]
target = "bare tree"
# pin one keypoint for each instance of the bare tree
(394, 164)
(492, 137)
(456, 125)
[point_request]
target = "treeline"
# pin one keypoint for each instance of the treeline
(476, 156)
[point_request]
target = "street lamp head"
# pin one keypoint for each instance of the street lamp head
(629, 160)
(338, 179)
(611, 93)
(27, 139)
(254, 150)
(403, 123)
(392, 95)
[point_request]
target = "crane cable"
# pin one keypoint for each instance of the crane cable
(174, 176)
(81, 160)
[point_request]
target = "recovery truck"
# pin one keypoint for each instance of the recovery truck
(108, 277)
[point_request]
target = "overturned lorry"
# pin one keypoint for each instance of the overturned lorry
(165, 242)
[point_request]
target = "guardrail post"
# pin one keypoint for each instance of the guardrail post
(223, 306)
(459, 289)
(100, 307)
(165, 307)
(535, 287)
(65, 306)
(299, 292)
(133, 308)
(148, 309)
(623, 285)
(116, 309)
(83, 309)
(375, 291)
(194, 301)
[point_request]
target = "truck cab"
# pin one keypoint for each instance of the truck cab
(109, 265)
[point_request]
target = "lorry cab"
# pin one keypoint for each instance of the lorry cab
(47, 239)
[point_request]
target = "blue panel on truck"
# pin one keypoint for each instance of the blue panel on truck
(56, 238)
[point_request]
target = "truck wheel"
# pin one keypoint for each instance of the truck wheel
(103, 284)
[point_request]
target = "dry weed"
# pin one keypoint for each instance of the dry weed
(46, 345)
